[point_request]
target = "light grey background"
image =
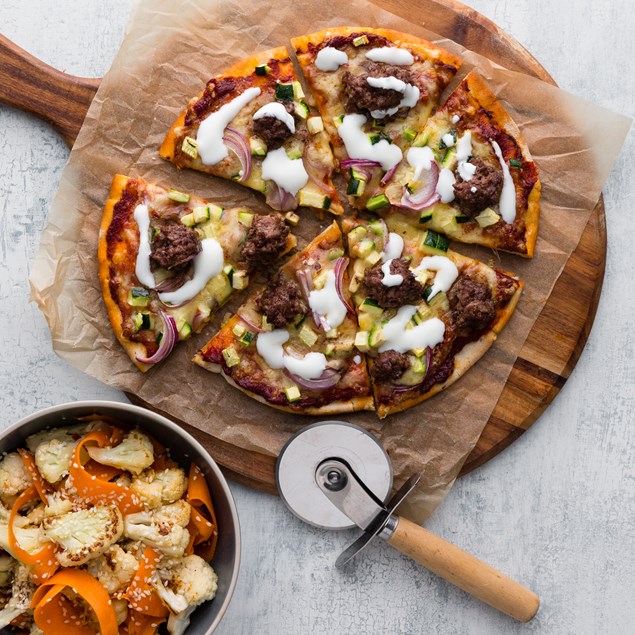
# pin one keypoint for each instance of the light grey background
(556, 510)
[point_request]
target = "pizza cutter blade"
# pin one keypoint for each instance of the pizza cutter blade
(335, 475)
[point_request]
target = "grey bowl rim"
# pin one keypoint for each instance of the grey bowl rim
(186, 437)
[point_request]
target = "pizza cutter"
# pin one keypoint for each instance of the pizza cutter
(335, 475)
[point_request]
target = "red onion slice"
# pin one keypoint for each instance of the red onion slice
(316, 172)
(279, 199)
(328, 379)
(250, 324)
(426, 195)
(236, 142)
(359, 163)
(386, 178)
(168, 340)
(172, 283)
(340, 267)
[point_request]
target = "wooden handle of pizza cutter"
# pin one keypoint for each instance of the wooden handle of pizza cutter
(465, 571)
(32, 85)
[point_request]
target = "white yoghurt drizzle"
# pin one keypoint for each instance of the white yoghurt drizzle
(390, 279)
(420, 159)
(211, 148)
(393, 249)
(208, 263)
(269, 347)
(410, 94)
(330, 59)
(444, 185)
(391, 55)
(326, 302)
(455, 118)
(463, 153)
(401, 339)
(446, 273)
(448, 139)
(288, 174)
(142, 266)
(507, 203)
(278, 111)
(359, 146)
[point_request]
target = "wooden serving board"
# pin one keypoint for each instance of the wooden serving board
(558, 336)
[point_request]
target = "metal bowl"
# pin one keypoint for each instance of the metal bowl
(184, 449)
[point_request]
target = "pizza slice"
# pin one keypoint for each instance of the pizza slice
(252, 125)
(291, 345)
(375, 88)
(426, 314)
(168, 260)
(470, 175)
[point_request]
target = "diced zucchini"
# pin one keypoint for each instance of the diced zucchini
(355, 235)
(422, 276)
(188, 220)
(515, 163)
(373, 258)
(361, 341)
(449, 160)
(432, 240)
(461, 218)
(139, 296)
(448, 225)
(309, 198)
(308, 335)
(265, 324)
(443, 144)
(353, 285)
(423, 311)
(357, 174)
(201, 213)
(190, 147)
(326, 203)
(298, 93)
(374, 138)
(377, 202)
(185, 330)
(370, 306)
(292, 393)
(416, 319)
(284, 92)
(215, 212)
(178, 197)
(426, 217)
(422, 139)
(355, 187)
(239, 280)
(360, 40)
(315, 124)
(247, 338)
(409, 133)
(231, 357)
(219, 288)
(292, 218)
(245, 218)
(301, 109)
(487, 217)
(439, 301)
(295, 154)
(335, 253)
(141, 321)
(262, 69)
(376, 337)
(228, 270)
(338, 120)
(330, 349)
(238, 330)
(364, 247)
(377, 227)
(332, 334)
(379, 124)
(418, 365)
(366, 321)
(258, 147)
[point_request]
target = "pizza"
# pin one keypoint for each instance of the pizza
(469, 174)
(375, 88)
(292, 345)
(168, 260)
(426, 314)
(253, 125)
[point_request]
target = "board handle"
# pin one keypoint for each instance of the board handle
(464, 571)
(31, 85)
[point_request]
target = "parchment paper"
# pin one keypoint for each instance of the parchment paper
(171, 49)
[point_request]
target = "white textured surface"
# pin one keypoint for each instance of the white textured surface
(556, 510)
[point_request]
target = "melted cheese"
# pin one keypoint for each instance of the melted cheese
(391, 55)
(288, 174)
(327, 303)
(211, 148)
(402, 339)
(278, 111)
(142, 266)
(359, 146)
(330, 59)
(207, 264)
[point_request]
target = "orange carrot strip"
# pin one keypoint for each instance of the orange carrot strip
(203, 517)
(44, 561)
(41, 485)
(96, 490)
(161, 459)
(141, 624)
(141, 595)
(50, 608)
(102, 472)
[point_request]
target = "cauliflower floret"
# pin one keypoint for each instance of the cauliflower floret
(192, 581)
(121, 610)
(84, 534)
(53, 458)
(163, 528)
(14, 478)
(114, 569)
(7, 564)
(134, 453)
(57, 504)
(29, 537)
(21, 593)
(65, 434)
(157, 488)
